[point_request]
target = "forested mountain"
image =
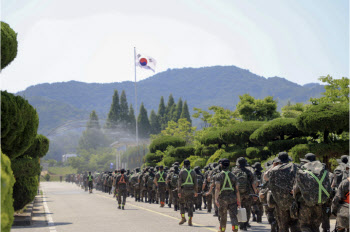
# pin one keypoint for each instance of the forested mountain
(201, 87)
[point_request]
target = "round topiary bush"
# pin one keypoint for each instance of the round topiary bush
(182, 152)
(25, 166)
(39, 148)
(7, 182)
(8, 45)
(24, 191)
(161, 143)
(239, 133)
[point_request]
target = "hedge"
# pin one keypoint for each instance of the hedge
(153, 158)
(8, 45)
(19, 125)
(161, 143)
(325, 118)
(206, 151)
(259, 153)
(24, 191)
(232, 156)
(182, 152)
(239, 133)
(276, 129)
(216, 156)
(196, 161)
(39, 148)
(212, 137)
(7, 182)
(284, 145)
(25, 166)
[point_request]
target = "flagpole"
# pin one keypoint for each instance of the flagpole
(137, 130)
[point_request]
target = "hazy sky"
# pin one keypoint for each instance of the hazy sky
(92, 41)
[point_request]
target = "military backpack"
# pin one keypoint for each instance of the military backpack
(242, 180)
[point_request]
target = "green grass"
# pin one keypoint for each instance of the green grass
(61, 170)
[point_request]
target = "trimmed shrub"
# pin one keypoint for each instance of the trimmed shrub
(39, 148)
(161, 143)
(153, 158)
(276, 129)
(182, 152)
(196, 161)
(212, 137)
(325, 118)
(24, 191)
(25, 166)
(252, 152)
(239, 133)
(232, 156)
(206, 151)
(284, 145)
(7, 182)
(216, 156)
(257, 153)
(19, 125)
(8, 45)
(168, 161)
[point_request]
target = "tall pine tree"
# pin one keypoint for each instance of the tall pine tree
(170, 109)
(155, 124)
(161, 113)
(185, 112)
(132, 120)
(93, 121)
(124, 110)
(178, 110)
(113, 117)
(144, 126)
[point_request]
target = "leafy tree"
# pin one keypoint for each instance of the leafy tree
(92, 137)
(170, 109)
(325, 118)
(132, 119)
(161, 143)
(155, 125)
(113, 118)
(124, 110)
(178, 110)
(337, 91)
(7, 182)
(161, 113)
(251, 109)
(19, 125)
(293, 111)
(221, 117)
(186, 113)
(143, 123)
(8, 45)
(182, 129)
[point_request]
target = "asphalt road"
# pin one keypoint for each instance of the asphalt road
(64, 207)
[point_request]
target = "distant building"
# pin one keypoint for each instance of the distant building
(67, 156)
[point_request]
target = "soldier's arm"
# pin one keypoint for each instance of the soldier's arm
(155, 180)
(217, 191)
(194, 176)
(211, 188)
(238, 196)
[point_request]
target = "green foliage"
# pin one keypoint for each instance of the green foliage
(251, 109)
(182, 129)
(239, 133)
(47, 177)
(212, 137)
(124, 110)
(284, 145)
(39, 148)
(196, 161)
(260, 153)
(134, 156)
(24, 191)
(182, 152)
(19, 124)
(132, 120)
(7, 182)
(205, 151)
(337, 91)
(221, 117)
(279, 128)
(186, 113)
(178, 110)
(216, 156)
(143, 123)
(161, 143)
(155, 123)
(8, 45)
(66, 143)
(93, 137)
(153, 158)
(113, 118)
(232, 156)
(325, 118)
(161, 113)
(62, 170)
(293, 111)
(26, 166)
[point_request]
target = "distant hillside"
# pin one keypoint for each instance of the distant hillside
(201, 87)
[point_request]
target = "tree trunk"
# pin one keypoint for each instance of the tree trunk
(325, 136)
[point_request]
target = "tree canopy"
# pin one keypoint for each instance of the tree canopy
(8, 45)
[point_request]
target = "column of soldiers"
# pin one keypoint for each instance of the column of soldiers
(294, 196)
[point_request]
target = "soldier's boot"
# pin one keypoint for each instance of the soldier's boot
(247, 225)
(222, 229)
(205, 206)
(169, 205)
(190, 221)
(209, 211)
(183, 219)
(234, 228)
(325, 230)
(259, 219)
(254, 217)
(242, 226)
(216, 214)
(119, 207)
(274, 226)
(122, 207)
(166, 201)
(175, 207)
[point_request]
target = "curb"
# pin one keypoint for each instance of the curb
(25, 219)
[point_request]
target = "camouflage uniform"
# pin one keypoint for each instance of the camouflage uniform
(227, 198)
(187, 188)
(160, 178)
(198, 199)
(173, 181)
(257, 206)
(340, 205)
(148, 180)
(143, 189)
(121, 187)
(136, 185)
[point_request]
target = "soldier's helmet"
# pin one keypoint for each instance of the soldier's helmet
(241, 162)
(187, 162)
(225, 163)
(176, 168)
(310, 157)
(344, 159)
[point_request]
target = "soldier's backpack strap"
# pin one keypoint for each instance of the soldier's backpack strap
(161, 179)
(189, 179)
(227, 179)
(320, 186)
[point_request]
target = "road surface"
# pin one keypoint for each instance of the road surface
(64, 207)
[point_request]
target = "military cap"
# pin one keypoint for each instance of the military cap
(257, 166)
(225, 162)
(283, 157)
(241, 161)
(310, 157)
(187, 162)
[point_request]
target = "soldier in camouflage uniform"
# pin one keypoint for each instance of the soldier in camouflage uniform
(148, 180)
(122, 182)
(173, 178)
(247, 187)
(188, 187)
(207, 185)
(143, 189)
(198, 199)
(159, 182)
(134, 181)
(227, 196)
(257, 207)
(168, 186)
(204, 187)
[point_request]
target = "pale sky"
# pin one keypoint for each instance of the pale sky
(93, 41)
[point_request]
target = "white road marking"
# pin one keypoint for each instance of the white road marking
(49, 219)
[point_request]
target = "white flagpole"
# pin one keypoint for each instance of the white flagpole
(137, 130)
